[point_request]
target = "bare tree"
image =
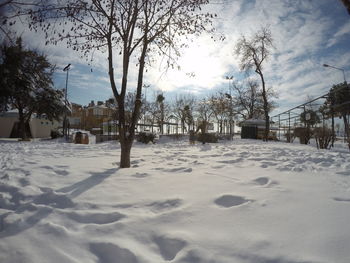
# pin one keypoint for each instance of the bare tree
(219, 105)
(248, 99)
(204, 113)
(132, 28)
(183, 108)
(11, 11)
(161, 111)
(253, 52)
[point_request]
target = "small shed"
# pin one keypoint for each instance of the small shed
(255, 129)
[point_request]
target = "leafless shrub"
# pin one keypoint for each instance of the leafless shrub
(324, 137)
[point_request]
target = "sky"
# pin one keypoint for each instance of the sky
(306, 34)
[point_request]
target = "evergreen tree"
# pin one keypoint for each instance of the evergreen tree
(26, 84)
(339, 99)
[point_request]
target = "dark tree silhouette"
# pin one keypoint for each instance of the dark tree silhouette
(26, 84)
(339, 100)
(347, 5)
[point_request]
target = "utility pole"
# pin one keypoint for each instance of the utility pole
(65, 120)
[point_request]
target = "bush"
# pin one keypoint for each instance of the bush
(324, 137)
(290, 136)
(207, 137)
(146, 137)
(304, 134)
(224, 137)
(55, 134)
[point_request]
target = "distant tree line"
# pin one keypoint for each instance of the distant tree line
(244, 102)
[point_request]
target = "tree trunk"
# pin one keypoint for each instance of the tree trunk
(125, 146)
(22, 124)
(266, 107)
(127, 134)
(346, 126)
(162, 118)
(333, 130)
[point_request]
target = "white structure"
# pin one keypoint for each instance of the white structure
(40, 127)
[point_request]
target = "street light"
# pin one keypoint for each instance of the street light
(229, 96)
(329, 66)
(65, 122)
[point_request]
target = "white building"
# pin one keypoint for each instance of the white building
(39, 127)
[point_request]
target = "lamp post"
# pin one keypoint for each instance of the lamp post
(145, 106)
(65, 121)
(341, 69)
(229, 95)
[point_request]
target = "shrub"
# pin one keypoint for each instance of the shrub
(290, 136)
(55, 134)
(224, 137)
(207, 137)
(304, 134)
(324, 137)
(146, 137)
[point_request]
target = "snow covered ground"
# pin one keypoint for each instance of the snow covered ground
(236, 202)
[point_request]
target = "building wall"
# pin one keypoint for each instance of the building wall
(40, 128)
(95, 116)
(77, 116)
(6, 125)
(92, 116)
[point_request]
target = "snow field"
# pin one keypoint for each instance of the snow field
(243, 201)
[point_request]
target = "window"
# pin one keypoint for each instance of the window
(98, 112)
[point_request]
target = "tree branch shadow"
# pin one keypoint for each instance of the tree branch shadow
(79, 188)
(48, 201)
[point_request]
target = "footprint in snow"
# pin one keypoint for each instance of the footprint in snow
(231, 200)
(96, 218)
(347, 173)
(23, 182)
(166, 205)
(218, 166)
(339, 199)
(61, 172)
(261, 180)
(140, 175)
(232, 161)
(46, 167)
(169, 247)
(111, 253)
(179, 169)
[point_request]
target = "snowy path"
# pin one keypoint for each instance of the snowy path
(244, 202)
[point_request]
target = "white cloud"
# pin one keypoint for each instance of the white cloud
(339, 35)
(305, 36)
